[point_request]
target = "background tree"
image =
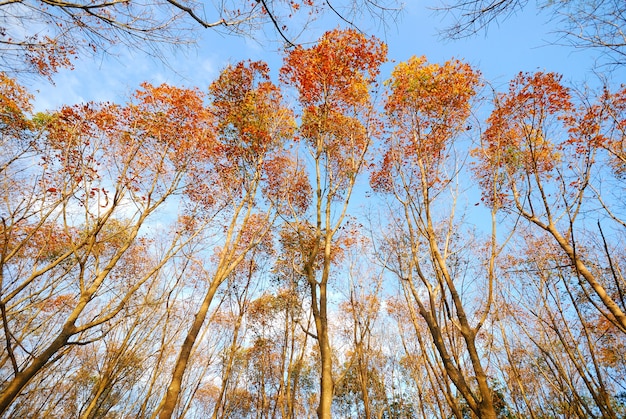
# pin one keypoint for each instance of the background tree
(361, 385)
(43, 36)
(419, 368)
(556, 339)
(299, 388)
(597, 24)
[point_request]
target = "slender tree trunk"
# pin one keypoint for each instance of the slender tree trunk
(363, 378)
(280, 394)
(168, 404)
(229, 367)
(93, 404)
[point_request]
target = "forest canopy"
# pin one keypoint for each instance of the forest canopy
(41, 37)
(332, 242)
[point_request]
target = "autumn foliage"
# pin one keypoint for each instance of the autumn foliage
(427, 106)
(217, 252)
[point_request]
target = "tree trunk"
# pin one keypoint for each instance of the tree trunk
(22, 378)
(326, 359)
(326, 380)
(168, 404)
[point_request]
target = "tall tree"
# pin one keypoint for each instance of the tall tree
(252, 125)
(333, 80)
(542, 157)
(427, 108)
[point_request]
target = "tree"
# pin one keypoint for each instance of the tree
(333, 80)
(540, 157)
(597, 24)
(234, 357)
(299, 368)
(419, 366)
(361, 385)
(427, 108)
(276, 344)
(42, 36)
(252, 125)
(557, 338)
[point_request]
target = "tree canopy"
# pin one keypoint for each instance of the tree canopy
(331, 242)
(43, 36)
(588, 24)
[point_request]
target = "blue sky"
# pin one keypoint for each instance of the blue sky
(520, 43)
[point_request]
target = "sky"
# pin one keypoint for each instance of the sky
(522, 42)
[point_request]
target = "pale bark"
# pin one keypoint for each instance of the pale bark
(169, 402)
